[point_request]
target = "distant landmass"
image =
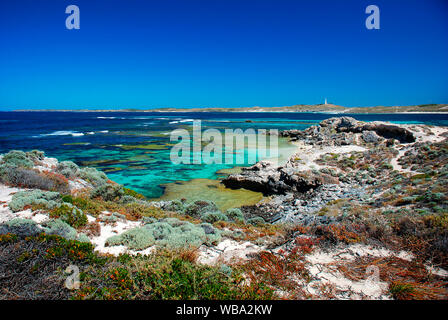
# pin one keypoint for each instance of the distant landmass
(323, 108)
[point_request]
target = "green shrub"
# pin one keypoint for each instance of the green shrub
(176, 206)
(93, 176)
(401, 291)
(136, 239)
(134, 194)
(20, 227)
(235, 214)
(256, 221)
(70, 214)
(35, 155)
(169, 232)
(169, 275)
(68, 169)
(108, 192)
(207, 211)
(15, 158)
(138, 209)
(46, 199)
(89, 206)
(199, 208)
(61, 228)
(212, 217)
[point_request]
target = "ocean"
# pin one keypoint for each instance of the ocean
(133, 148)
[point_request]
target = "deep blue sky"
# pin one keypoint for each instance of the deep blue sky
(228, 53)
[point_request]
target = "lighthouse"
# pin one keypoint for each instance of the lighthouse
(325, 101)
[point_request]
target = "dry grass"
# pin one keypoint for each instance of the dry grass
(408, 280)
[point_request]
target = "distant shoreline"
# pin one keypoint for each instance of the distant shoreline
(327, 108)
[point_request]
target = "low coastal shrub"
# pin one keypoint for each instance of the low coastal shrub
(198, 208)
(212, 217)
(136, 210)
(133, 194)
(33, 179)
(33, 266)
(268, 270)
(108, 192)
(426, 236)
(136, 239)
(68, 169)
(27, 228)
(169, 232)
(206, 211)
(70, 214)
(17, 159)
(63, 229)
(256, 221)
(176, 206)
(235, 214)
(20, 227)
(35, 155)
(165, 274)
(87, 205)
(46, 199)
(92, 175)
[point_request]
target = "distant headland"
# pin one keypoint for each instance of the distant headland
(318, 108)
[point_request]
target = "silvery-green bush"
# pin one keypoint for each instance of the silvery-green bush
(214, 216)
(60, 228)
(68, 169)
(35, 155)
(47, 199)
(93, 176)
(200, 207)
(20, 227)
(16, 158)
(28, 227)
(168, 232)
(235, 214)
(109, 192)
(256, 221)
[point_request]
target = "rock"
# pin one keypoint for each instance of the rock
(391, 132)
(370, 136)
(277, 181)
(340, 123)
(341, 130)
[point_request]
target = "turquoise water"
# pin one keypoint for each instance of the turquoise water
(134, 148)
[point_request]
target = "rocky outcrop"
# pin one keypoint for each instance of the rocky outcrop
(389, 131)
(269, 179)
(266, 178)
(339, 131)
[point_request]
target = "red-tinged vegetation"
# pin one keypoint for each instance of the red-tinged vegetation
(408, 280)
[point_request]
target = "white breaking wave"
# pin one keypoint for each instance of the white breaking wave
(61, 133)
